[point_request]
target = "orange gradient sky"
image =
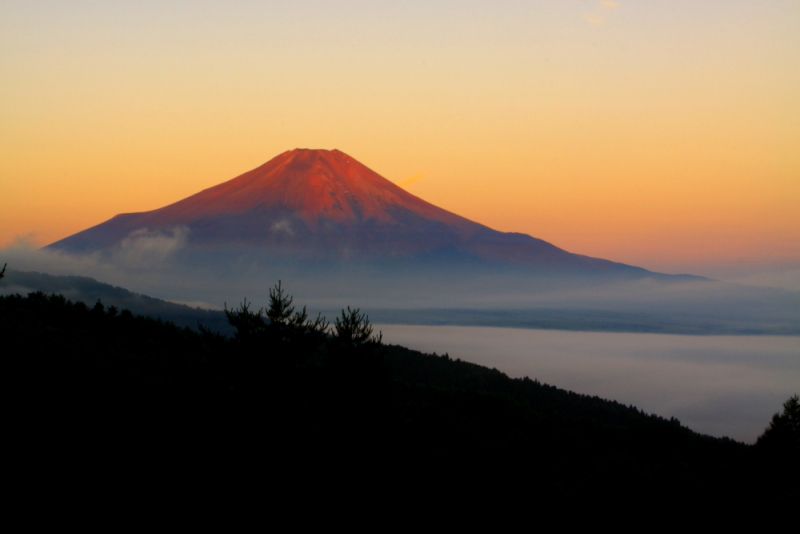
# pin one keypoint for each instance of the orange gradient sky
(664, 134)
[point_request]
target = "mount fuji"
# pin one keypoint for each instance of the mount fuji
(323, 204)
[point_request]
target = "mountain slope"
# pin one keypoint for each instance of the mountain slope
(325, 204)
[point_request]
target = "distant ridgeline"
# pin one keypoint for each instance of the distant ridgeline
(301, 405)
(89, 290)
(590, 320)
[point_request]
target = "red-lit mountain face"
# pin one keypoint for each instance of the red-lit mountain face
(321, 203)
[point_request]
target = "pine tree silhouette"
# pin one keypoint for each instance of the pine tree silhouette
(783, 431)
(353, 328)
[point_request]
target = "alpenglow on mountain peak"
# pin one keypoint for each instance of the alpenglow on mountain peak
(324, 203)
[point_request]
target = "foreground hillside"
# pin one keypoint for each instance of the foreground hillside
(100, 390)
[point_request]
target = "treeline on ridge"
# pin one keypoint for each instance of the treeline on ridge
(298, 398)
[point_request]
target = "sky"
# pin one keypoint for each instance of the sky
(659, 133)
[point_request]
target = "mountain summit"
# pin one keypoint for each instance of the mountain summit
(318, 190)
(323, 203)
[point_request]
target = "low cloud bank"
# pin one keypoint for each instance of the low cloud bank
(160, 264)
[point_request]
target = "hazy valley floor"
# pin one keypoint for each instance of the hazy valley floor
(717, 385)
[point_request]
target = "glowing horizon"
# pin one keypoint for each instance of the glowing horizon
(659, 135)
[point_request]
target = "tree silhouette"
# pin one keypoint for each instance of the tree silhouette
(247, 323)
(3, 272)
(778, 449)
(783, 432)
(281, 314)
(287, 336)
(354, 329)
(280, 307)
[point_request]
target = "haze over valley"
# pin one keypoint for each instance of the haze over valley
(339, 234)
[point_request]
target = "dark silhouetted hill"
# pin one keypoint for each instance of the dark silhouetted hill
(97, 390)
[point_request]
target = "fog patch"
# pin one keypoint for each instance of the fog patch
(24, 255)
(198, 304)
(147, 264)
(146, 247)
(786, 276)
(12, 289)
(750, 272)
(282, 227)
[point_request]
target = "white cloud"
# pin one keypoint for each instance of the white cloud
(282, 226)
(144, 246)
